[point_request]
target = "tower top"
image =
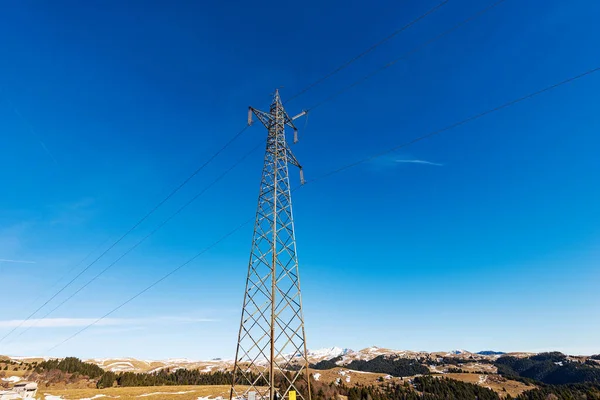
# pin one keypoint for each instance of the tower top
(276, 97)
(275, 121)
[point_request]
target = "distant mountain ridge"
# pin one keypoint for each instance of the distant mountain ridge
(505, 374)
(331, 356)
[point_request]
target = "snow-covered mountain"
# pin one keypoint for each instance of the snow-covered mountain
(327, 353)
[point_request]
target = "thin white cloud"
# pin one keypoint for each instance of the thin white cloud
(420, 162)
(16, 261)
(80, 322)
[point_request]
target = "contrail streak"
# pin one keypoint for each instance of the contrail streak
(35, 135)
(420, 162)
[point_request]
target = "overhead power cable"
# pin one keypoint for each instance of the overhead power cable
(456, 124)
(367, 51)
(223, 238)
(311, 108)
(407, 54)
(393, 62)
(340, 68)
(340, 169)
(138, 223)
(162, 224)
(69, 271)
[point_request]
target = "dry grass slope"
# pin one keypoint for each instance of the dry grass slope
(494, 382)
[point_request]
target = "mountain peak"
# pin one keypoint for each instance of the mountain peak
(328, 352)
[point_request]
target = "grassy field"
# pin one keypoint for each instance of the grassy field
(130, 393)
(203, 392)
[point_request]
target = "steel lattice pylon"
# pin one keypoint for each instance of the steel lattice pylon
(271, 359)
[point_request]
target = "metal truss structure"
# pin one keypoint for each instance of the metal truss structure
(271, 358)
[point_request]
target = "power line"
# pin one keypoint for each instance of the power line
(340, 68)
(367, 51)
(69, 271)
(171, 194)
(340, 169)
(405, 55)
(327, 76)
(329, 99)
(456, 124)
(154, 284)
(162, 224)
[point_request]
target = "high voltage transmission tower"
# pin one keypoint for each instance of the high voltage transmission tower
(271, 359)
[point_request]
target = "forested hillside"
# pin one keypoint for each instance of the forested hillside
(551, 368)
(383, 364)
(71, 365)
(74, 368)
(432, 388)
(554, 392)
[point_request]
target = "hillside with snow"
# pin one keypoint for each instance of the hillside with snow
(339, 356)
(330, 367)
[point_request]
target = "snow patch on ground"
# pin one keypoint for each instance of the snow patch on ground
(13, 379)
(15, 358)
(317, 376)
(51, 397)
(120, 366)
(126, 363)
(157, 393)
(434, 369)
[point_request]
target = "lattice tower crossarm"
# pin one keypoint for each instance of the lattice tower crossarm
(271, 357)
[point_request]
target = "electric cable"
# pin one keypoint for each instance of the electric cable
(367, 51)
(327, 76)
(162, 224)
(139, 222)
(340, 169)
(405, 55)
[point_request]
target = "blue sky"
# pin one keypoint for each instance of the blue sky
(492, 242)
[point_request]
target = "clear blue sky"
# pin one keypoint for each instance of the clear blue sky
(106, 106)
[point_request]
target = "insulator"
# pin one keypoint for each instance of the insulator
(295, 136)
(301, 176)
(249, 115)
